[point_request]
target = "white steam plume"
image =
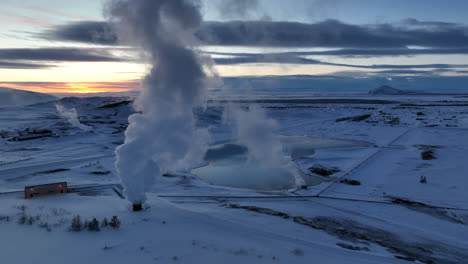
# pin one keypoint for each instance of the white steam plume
(72, 117)
(162, 136)
(255, 130)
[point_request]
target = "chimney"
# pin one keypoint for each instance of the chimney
(137, 207)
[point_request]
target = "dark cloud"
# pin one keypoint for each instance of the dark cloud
(84, 31)
(57, 54)
(419, 72)
(329, 33)
(432, 72)
(27, 58)
(16, 65)
(419, 23)
(352, 40)
(359, 52)
(413, 66)
(261, 58)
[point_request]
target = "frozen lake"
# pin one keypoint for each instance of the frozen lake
(229, 164)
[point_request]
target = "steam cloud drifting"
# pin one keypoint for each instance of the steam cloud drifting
(255, 130)
(163, 136)
(72, 117)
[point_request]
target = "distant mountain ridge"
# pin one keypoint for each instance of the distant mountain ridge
(13, 97)
(388, 90)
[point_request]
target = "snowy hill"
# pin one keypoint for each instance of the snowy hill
(82, 103)
(13, 97)
(388, 90)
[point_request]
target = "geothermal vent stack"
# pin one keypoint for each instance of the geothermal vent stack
(137, 207)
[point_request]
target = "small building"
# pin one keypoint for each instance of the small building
(45, 189)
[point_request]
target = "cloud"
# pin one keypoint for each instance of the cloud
(328, 33)
(27, 66)
(95, 32)
(412, 66)
(418, 72)
(269, 58)
(371, 52)
(58, 54)
(237, 8)
(23, 20)
(291, 59)
(26, 58)
(419, 23)
(52, 11)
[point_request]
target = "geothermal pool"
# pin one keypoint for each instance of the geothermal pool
(229, 164)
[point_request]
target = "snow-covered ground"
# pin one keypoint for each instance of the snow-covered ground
(372, 208)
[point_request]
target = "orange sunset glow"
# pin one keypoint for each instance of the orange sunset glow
(82, 88)
(74, 87)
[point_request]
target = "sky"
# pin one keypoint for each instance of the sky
(59, 47)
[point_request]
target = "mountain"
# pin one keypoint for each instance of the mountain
(388, 90)
(13, 97)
